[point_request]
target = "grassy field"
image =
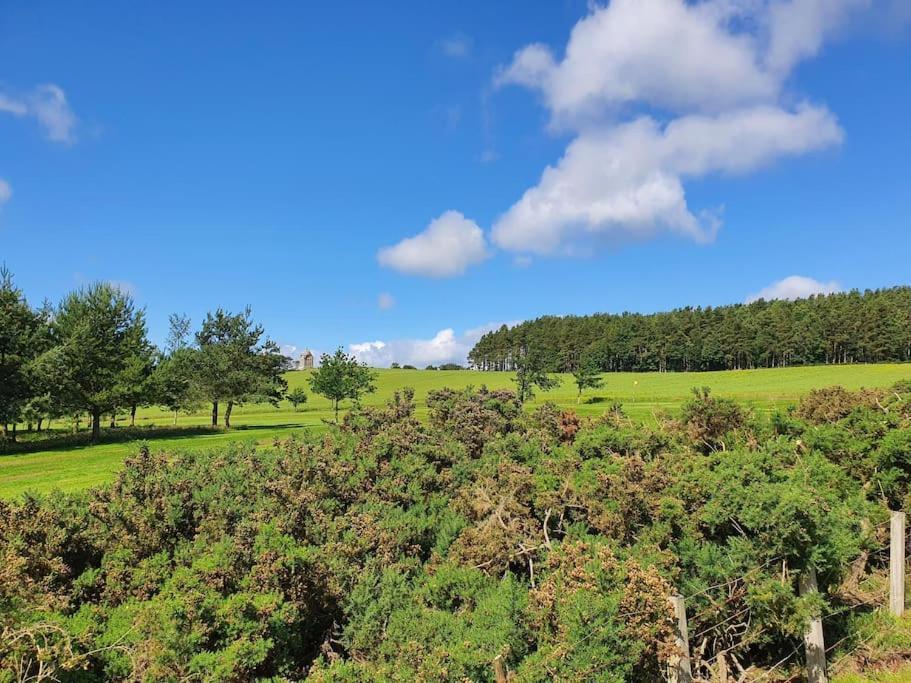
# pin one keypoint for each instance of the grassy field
(643, 395)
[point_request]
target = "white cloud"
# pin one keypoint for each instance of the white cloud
(522, 261)
(794, 287)
(5, 191)
(704, 56)
(444, 347)
(796, 29)
(385, 301)
(48, 105)
(661, 92)
(626, 183)
(447, 247)
(457, 46)
(671, 54)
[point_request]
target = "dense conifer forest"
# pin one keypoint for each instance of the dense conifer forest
(853, 327)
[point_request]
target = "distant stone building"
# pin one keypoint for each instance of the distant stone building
(305, 362)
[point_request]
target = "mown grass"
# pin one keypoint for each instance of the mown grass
(643, 395)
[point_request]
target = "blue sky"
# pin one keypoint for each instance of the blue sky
(375, 172)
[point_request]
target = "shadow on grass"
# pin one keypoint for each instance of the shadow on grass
(65, 442)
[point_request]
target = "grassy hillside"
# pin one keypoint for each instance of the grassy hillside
(643, 395)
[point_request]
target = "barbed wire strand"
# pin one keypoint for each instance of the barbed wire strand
(768, 672)
(727, 583)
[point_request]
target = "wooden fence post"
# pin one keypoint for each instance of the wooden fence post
(897, 564)
(723, 667)
(679, 670)
(814, 641)
(499, 669)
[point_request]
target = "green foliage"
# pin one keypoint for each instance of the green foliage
(22, 338)
(174, 382)
(531, 372)
(297, 397)
(709, 419)
(391, 549)
(234, 364)
(100, 341)
(587, 375)
(873, 326)
(341, 377)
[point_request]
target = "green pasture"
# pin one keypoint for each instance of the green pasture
(643, 395)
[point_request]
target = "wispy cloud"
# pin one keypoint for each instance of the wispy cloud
(385, 301)
(47, 104)
(794, 287)
(457, 46)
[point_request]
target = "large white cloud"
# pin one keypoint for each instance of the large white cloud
(444, 347)
(661, 92)
(626, 182)
(664, 52)
(445, 248)
(794, 287)
(701, 56)
(48, 105)
(657, 93)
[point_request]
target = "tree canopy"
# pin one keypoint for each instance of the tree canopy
(99, 336)
(235, 364)
(341, 377)
(853, 327)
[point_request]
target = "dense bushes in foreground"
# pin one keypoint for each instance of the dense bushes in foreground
(389, 549)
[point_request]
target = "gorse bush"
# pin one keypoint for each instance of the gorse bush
(395, 550)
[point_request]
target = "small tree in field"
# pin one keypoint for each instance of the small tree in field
(340, 376)
(174, 382)
(297, 397)
(531, 373)
(587, 376)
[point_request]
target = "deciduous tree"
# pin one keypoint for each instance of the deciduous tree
(341, 377)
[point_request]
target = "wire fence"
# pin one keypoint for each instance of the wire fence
(733, 590)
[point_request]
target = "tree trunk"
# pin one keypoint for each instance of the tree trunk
(113, 420)
(336, 411)
(214, 413)
(228, 414)
(13, 433)
(96, 424)
(133, 415)
(40, 420)
(175, 417)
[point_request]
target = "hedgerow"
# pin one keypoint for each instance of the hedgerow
(395, 550)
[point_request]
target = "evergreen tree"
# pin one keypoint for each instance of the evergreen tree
(98, 332)
(21, 339)
(233, 364)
